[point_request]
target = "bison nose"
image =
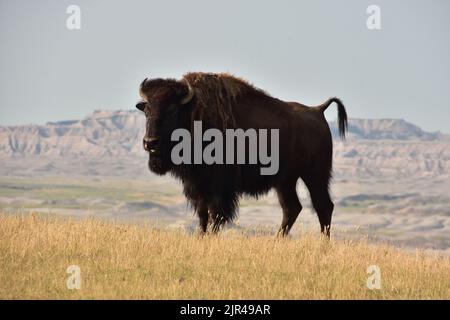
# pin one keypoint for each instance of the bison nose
(150, 144)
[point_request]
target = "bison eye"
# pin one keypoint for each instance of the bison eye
(140, 106)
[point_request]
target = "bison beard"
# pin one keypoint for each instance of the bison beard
(225, 102)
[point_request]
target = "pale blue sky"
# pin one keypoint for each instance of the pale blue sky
(296, 50)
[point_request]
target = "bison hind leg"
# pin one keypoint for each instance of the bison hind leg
(321, 201)
(291, 206)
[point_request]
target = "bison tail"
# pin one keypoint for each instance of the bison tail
(342, 114)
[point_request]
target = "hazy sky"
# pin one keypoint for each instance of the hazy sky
(296, 50)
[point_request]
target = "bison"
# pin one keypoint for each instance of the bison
(223, 101)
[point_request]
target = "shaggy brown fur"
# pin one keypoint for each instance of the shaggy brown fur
(216, 93)
(223, 101)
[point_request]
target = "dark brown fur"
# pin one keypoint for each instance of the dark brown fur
(223, 101)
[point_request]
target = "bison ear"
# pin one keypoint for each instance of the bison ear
(189, 95)
(140, 106)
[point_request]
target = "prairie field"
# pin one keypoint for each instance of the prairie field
(142, 261)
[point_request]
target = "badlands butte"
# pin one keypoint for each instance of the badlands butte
(391, 180)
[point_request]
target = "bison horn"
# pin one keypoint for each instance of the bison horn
(143, 82)
(189, 95)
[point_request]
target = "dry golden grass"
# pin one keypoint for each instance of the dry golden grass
(134, 262)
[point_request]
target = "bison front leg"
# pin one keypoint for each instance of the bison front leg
(222, 210)
(217, 219)
(202, 212)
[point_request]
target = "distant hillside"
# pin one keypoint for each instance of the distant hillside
(374, 146)
(103, 133)
(392, 129)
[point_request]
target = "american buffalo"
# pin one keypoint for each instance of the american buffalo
(223, 101)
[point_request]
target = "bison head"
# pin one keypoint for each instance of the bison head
(163, 100)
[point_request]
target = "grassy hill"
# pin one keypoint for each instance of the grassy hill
(132, 261)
